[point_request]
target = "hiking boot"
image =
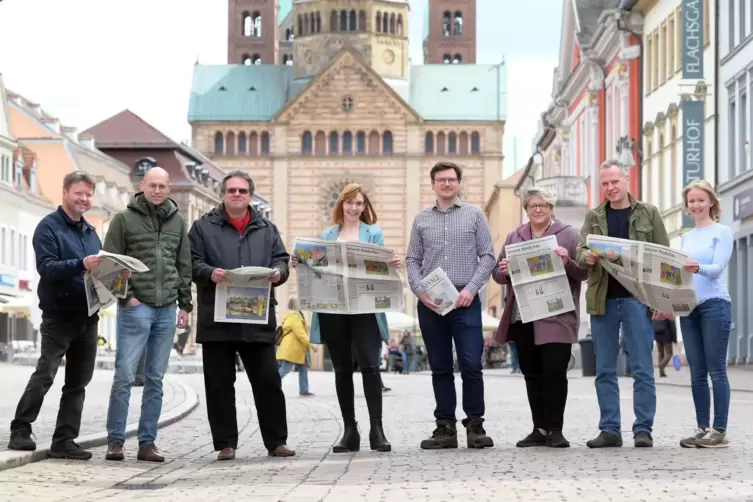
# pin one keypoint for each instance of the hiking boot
(713, 439)
(444, 436)
(71, 451)
(476, 435)
(114, 452)
(377, 439)
(643, 440)
(555, 439)
(148, 453)
(692, 441)
(20, 440)
(535, 438)
(226, 454)
(350, 441)
(605, 440)
(281, 451)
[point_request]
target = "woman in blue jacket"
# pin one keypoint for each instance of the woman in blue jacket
(353, 217)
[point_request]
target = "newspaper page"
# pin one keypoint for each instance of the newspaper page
(652, 273)
(244, 297)
(441, 290)
(539, 279)
(346, 277)
(110, 280)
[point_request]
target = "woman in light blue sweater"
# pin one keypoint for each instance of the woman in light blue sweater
(705, 332)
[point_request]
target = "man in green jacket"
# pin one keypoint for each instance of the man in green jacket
(151, 230)
(610, 305)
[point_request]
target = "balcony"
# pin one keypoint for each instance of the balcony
(569, 190)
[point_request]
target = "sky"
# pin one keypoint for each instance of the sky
(86, 60)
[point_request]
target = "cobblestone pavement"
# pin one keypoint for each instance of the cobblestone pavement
(13, 380)
(664, 473)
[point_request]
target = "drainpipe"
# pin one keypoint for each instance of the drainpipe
(716, 92)
(603, 112)
(638, 140)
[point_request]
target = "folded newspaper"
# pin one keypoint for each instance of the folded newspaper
(652, 273)
(346, 277)
(440, 290)
(539, 279)
(110, 281)
(244, 297)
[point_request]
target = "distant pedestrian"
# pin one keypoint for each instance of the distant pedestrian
(293, 352)
(665, 335)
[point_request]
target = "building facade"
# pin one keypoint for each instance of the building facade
(734, 173)
(352, 108)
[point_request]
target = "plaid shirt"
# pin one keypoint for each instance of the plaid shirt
(458, 240)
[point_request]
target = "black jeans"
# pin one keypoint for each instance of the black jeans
(343, 333)
(78, 343)
(544, 368)
(219, 382)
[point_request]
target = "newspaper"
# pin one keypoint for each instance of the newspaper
(244, 297)
(539, 279)
(346, 277)
(110, 280)
(441, 290)
(652, 273)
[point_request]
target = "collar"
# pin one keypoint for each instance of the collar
(81, 223)
(602, 209)
(456, 203)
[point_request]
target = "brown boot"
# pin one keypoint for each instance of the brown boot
(281, 451)
(477, 437)
(114, 452)
(148, 453)
(226, 454)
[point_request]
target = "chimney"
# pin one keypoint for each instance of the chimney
(87, 141)
(70, 132)
(34, 107)
(52, 123)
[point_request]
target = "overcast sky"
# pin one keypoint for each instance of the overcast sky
(85, 60)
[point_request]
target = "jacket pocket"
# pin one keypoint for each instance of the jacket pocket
(644, 232)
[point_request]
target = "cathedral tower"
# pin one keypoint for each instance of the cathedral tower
(252, 32)
(450, 32)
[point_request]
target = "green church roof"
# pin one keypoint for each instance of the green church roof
(285, 7)
(426, 21)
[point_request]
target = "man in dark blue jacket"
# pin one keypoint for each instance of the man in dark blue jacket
(66, 246)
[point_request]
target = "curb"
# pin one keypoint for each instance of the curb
(10, 459)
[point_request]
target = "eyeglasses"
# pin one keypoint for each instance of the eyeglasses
(537, 207)
(449, 181)
(242, 191)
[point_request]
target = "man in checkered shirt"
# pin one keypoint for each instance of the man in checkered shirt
(455, 236)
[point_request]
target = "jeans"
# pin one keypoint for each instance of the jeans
(303, 374)
(78, 343)
(141, 326)
(513, 350)
(463, 325)
(638, 332)
(705, 333)
(141, 368)
(406, 361)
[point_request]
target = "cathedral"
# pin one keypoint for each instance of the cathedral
(320, 93)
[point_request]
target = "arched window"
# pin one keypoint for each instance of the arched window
(385, 23)
(400, 25)
(256, 59)
(343, 20)
(307, 24)
(457, 59)
(392, 23)
(248, 25)
(387, 142)
(230, 143)
(264, 143)
(306, 143)
(320, 143)
(446, 23)
(219, 143)
(429, 142)
(333, 21)
(361, 142)
(457, 25)
(257, 23)
(352, 19)
(242, 146)
(463, 143)
(334, 143)
(247, 60)
(253, 144)
(378, 22)
(288, 34)
(452, 143)
(318, 28)
(373, 143)
(446, 59)
(475, 142)
(300, 25)
(441, 143)
(362, 20)
(289, 60)
(347, 142)
(285, 59)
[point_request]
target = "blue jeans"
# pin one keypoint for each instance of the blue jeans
(513, 351)
(639, 338)
(303, 374)
(463, 325)
(705, 334)
(138, 327)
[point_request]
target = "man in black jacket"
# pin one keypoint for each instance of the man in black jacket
(66, 246)
(234, 235)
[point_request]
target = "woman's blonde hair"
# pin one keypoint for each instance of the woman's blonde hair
(716, 207)
(349, 193)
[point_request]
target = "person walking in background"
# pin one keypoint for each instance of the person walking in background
(513, 352)
(544, 346)
(66, 247)
(294, 346)
(705, 332)
(153, 231)
(455, 236)
(354, 219)
(407, 350)
(665, 335)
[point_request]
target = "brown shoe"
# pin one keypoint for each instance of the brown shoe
(281, 451)
(148, 453)
(114, 452)
(226, 454)
(477, 437)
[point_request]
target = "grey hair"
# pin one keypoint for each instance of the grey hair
(237, 174)
(71, 179)
(293, 304)
(545, 195)
(615, 163)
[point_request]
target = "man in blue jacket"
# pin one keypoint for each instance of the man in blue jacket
(66, 246)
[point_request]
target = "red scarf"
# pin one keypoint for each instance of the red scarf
(239, 223)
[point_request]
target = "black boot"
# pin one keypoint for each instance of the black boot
(377, 440)
(351, 440)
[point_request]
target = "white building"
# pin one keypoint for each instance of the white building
(663, 87)
(735, 176)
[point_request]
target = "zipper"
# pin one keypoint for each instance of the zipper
(158, 257)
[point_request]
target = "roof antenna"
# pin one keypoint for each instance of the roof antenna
(197, 60)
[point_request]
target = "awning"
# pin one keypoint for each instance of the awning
(19, 305)
(398, 321)
(488, 322)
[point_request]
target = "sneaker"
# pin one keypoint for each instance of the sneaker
(444, 436)
(713, 439)
(643, 440)
(605, 440)
(71, 452)
(20, 440)
(476, 435)
(535, 438)
(555, 439)
(692, 441)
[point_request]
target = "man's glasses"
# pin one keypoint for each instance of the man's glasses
(449, 181)
(242, 191)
